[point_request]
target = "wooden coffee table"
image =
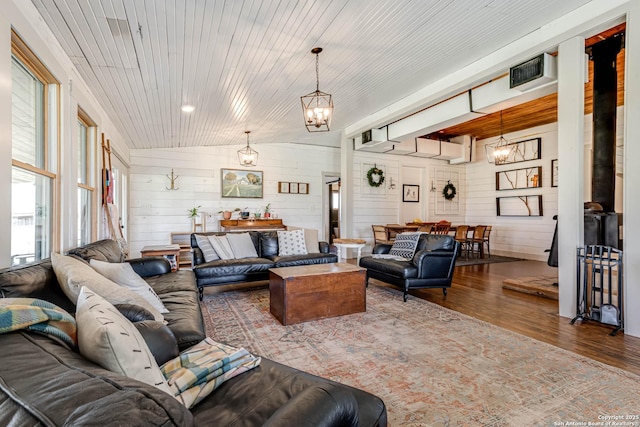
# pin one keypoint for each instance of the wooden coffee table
(311, 292)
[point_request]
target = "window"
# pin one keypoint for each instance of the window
(34, 95)
(86, 191)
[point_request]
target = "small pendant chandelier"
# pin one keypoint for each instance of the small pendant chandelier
(247, 155)
(317, 106)
(499, 151)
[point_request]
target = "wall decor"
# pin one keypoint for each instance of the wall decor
(554, 172)
(293, 187)
(410, 193)
(241, 183)
(522, 151)
(519, 205)
(519, 178)
(375, 176)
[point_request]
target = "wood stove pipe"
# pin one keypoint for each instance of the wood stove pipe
(605, 91)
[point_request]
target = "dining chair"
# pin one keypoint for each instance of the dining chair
(461, 236)
(380, 235)
(441, 227)
(425, 228)
(391, 234)
(485, 239)
(475, 242)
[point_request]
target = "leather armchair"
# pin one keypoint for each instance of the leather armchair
(431, 266)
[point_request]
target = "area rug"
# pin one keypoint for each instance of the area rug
(543, 285)
(488, 260)
(431, 366)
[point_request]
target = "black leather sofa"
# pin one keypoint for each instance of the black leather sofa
(45, 383)
(431, 266)
(222, 272)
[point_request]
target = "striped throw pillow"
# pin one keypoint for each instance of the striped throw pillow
(222, 247)
(405, 245)
(206, 248)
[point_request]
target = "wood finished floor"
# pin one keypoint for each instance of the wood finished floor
(477, 291)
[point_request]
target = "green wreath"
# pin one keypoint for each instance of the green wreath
(375, 171)
(449, 191)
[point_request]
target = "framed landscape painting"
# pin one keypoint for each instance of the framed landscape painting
(241, 183)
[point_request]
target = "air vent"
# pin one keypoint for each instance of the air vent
(532, 73)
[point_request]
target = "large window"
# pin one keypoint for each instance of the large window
(86, 189)
(34, 94)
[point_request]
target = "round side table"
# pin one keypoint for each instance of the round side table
(343, 244)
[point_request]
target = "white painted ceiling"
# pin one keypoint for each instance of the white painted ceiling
(245, 63)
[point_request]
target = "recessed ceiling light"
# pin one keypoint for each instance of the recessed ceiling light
(187, 108)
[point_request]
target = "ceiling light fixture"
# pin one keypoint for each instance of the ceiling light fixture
(188, 108)
(501, 150)
(247, 155)
(317, 106)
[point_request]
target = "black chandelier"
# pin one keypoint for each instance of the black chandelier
(317, 106)
(247, 155)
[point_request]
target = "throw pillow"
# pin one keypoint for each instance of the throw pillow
(291, 243)
(221, 246)
(107, 338)
(405, 245)
(242, 245)
(73, 274)
(123, 275)
(208, 252)
(310, 239)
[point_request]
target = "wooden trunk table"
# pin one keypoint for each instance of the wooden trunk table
(311, 292)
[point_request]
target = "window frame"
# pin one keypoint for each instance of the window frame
(90, 167)
(51, 139)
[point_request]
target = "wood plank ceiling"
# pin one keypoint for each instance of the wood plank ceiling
(245, 63)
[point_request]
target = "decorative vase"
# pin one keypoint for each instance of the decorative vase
(226, 214)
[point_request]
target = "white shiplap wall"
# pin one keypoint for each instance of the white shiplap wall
(524, 237)
(155, 212)
(383, 205)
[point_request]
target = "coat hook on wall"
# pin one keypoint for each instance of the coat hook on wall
(173, 181)
(433, 187)
(391, 184)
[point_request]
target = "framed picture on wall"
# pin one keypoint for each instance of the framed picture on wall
(283, 187)
(241, 183)
(554, 172)
(410, 193)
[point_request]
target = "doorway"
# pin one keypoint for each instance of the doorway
(331, 206)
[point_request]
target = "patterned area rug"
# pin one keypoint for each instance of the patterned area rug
(544, 286)
(431, 366)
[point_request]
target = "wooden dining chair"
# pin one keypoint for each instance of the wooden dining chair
(475, 242)
(380, 235)
(441, 227)
(391, 234)
(461, 236)
(425, 228)
(485, 240)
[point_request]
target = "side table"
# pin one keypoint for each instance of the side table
(170, 252)
(343, 244)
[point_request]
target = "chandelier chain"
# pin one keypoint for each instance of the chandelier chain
(317, 72)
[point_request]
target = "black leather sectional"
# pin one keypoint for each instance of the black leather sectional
(44, 383)
(223, 272)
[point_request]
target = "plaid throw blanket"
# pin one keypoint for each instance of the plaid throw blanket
(202, 368)
(37, 315)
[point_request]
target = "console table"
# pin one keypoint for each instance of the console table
(251, 224)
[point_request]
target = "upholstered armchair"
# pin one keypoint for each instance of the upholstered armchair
(431, 265)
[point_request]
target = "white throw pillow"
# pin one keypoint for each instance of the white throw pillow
(123, 275)
(73, 274)
(107, 338)
(242, 245)
(208, 252)
(311, 241)
(221, 246)
(291, 243)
